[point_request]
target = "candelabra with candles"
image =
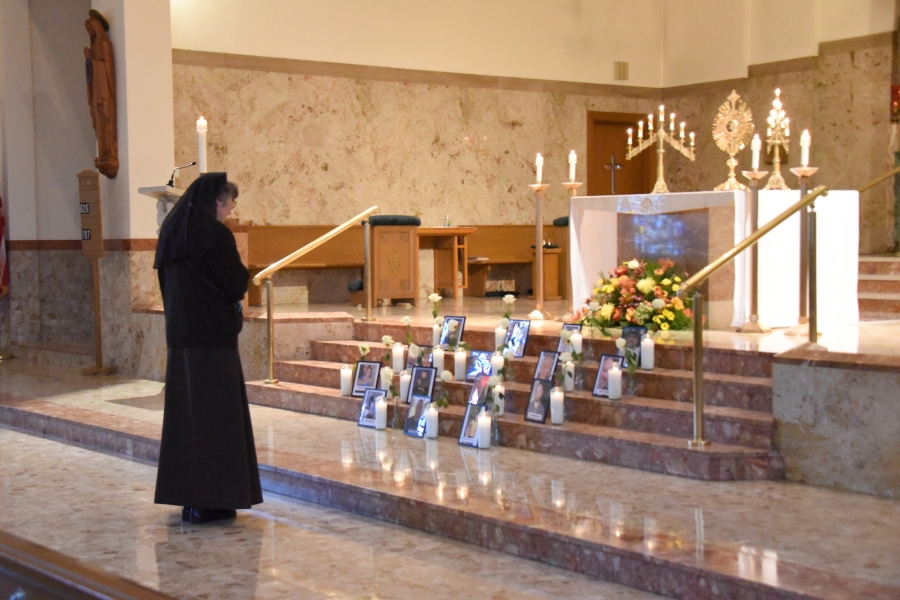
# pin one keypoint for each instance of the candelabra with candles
(778, 134)
(660, 138)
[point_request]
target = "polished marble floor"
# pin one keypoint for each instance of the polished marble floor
(765, 526)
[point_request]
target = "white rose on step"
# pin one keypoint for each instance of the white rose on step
(494, 380)
(363, 349)
(504, 323)
(439, 321)
(620, 343)
(566, 334)
(414, 351)
(446, 376)
(434, 298)
(454, 325)
(565, 357)
(387, 340)
(406, 321)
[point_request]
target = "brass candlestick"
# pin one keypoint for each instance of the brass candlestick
(539, 313)
(660, 137)
(778, 134)
(754, 325)
(732, 129)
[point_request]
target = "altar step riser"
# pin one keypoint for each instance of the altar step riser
(879, 266)
(888, 308)
(572, 440)
(880, 286)
(725, 362)
(613, 560)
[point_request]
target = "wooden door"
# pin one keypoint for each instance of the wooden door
(607, 137)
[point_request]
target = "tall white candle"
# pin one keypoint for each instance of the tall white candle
(435, 335)
(202, 128)
(405, 378)
(640, 130)
(539, 165)
(569, 375)
(692, 139)
(459, 364)
(576, 341)
(499, 337)
(629, 136)
(650, 124)
(681, 134)
(380, 413)
(387, 377)
(431, 422)
(496, 364)
(662, 117)
(572, 161)
(557, 406)
(805, 142)
(615, 382)
(648, 348)
(755, 147)
(672, 123)
(483, 430)
(499, 400)
(437, 358)
(397, 357)
(346, 380)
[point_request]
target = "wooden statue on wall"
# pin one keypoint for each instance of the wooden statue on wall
(101, 91)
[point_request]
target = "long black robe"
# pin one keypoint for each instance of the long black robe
(207, 457)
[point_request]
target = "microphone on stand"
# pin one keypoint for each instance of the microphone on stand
(172, 178)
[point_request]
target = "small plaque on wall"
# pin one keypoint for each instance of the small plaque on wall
(91, 216)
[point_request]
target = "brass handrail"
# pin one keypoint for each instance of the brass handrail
(879, 179)
(280, 264)
(701, 275)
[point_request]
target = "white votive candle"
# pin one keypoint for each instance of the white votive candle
(647, 352)
(499, 400)
(576, 341)
(380, 413)
(499, 337)
(437, 358)
(431, 422)
(615, 382)
(397, 357)
(405, 378)
(459, 363)
(569, 375)
(557, 406)
(346, 380)
(483, 430)
(387, 377)
(496, 364)
(202, 128)
(755, 147)
(435, 335)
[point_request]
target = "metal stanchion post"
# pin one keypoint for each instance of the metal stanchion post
(270, 330)
(539, 313)
(813, 313)
(699, 440)
(754, 325)
(367, 269)
(802, 326)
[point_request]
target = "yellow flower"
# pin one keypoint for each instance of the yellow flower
(609, 289)
(656, 319)
(677, 303)
(666, 281)
(596, 291)
(664, 326)
(678, 279)
(669, 314)
(676, 287)
(606, 310)
(646, 285)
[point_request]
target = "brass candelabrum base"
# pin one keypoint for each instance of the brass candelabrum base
(731, 184)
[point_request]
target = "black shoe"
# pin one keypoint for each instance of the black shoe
(207, 515)
(186, 514)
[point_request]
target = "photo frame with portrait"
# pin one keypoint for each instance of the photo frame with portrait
(366, 376)
(367, 410)
(538, 401)
(478, 363)
(563, 345)
(450, 338)
(477, 399)
(601, 383)
(415, 416)
(546, 365)
(633, 334)
(517, 336)
(421, 382)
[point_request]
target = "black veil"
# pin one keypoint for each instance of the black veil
(189, 228)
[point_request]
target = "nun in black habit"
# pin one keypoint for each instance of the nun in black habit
(207, 460)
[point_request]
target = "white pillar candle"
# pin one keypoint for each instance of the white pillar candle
(496, 364)
(380, 413)
(431, 422)
(672, 123)
(387, 377)
(499, 337)
(499, 400)
(557, 405)
(692, 139)
(649, 124)
(755, 146)
(681, 133)
(629, 136)
(435, 335)
(662, 117)
(539, 165)
(483, 429)
(459, 363)
(576, 341)
(397, 357)
(805, 141)
(640, 130)
(346, 380)
(437, 359)
(573, 159)
(615, 382)
(647, 352)
(405, 378)
(202, 128)
(569, 375)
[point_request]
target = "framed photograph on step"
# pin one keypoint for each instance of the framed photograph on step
(517, 336)
(478, 363)
(367, 410)
(563, 345)
(539, 401)
(477, 399)
(415, 416)
(366, 377)
(601, 384)
(452, 332)
(546, 365)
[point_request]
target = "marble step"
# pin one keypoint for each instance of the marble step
(419, 492)
(885, 284)
(609, 445)
(668, 355)
(750, 393)
(879, 303)
(723, 424)
(879, 265)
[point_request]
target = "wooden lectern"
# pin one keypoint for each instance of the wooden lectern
(395, 263)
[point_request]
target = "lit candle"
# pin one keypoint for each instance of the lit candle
(431, 422)
(640, 130)
(483, 430)
(346, 379)
(576, 341)
(496, 364)
(662, 116)
(380, 413)
(647, 351)
(755, 146)
(786, 124)
(572, 161)
(499, 400)
(499, 337)
(569, 375)
(459, 363)
(672, 123)
(615, 382)
(692, 139)
(437, 358)
(405, 378)
(805, 141)
(435, 335)
(681, 134)
(629, 136)
(539, 165)
(397, 357)
(387, 377)
(202, 128)
(650, 124)
(557, 405)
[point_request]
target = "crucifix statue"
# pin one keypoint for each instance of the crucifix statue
(612, 167)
